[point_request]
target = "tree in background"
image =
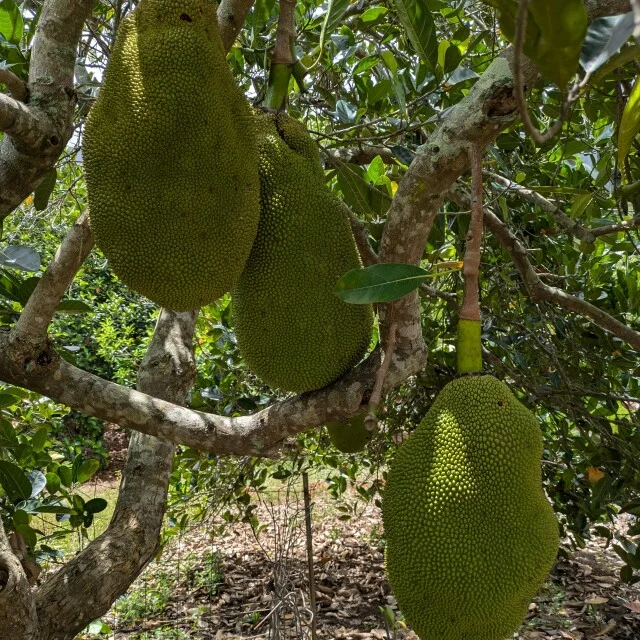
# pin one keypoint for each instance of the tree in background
(396, 96)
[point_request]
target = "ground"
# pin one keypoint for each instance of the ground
(222, 588)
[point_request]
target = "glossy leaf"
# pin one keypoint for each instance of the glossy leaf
(335, 10)
(417, 21)
(14, 481)
(11, 23)
(629, 124)
(380, 282)
(604, 37)
(44, 190)
(554, 34)
(20, 257)
(73, 306)
(87, 470)
(95, 505)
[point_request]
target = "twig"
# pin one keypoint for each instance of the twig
(518, 85)
(538, 290)
(361, 235)
(17, 88)
(471, 269)
(309, 538)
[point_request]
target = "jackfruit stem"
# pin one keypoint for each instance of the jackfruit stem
(277, 87)
(282, 61)
(469, 347)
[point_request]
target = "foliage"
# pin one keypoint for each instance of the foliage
(384, 79)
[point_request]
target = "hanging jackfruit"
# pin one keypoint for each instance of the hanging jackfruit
(292, 330)
(170, 158)
(470, 533)
(351, 435)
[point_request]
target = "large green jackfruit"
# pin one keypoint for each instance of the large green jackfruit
(170, 158)
(470, 533)
(292, 330)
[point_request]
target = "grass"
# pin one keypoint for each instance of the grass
(75, 541)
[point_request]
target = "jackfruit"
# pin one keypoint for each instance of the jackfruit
(470, 533)
(292, 330)
(351, 435)
(170, 157)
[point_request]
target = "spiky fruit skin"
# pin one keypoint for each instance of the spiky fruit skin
(292, 330)
(170, 158)
(350, 436)
(470, 534)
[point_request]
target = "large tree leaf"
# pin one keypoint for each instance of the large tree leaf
(11, 23)
(20, 257)
(14, 481)
(335, 11)
(44, 189)
(420, 27)
(629, 124)
(380, 282)
(604, 37)
(554, 35)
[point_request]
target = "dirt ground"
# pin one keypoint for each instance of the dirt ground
(259, 586)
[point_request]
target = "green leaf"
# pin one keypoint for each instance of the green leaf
(27, 288)
(420, 27)
(335, 10)
(87, 469)
(44, 190)
(372, 14)
(380, 282)
(21, 258)
(39, 439)
(38, 482)
(8, 436)
(53, 482)
(11, 23)
(66, 475)
(8, 400)
(629, 124)
(363, 197)
(604, 37)
(95, 505)
(554, 35)
(626, 573)
(14, 481)
(73, 306)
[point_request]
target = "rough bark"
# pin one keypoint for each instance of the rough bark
(85, 588)
(36, 133)
(18, 617)
(231, 17)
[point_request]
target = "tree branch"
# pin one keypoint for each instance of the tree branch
(38, 312)
(103, 571)
(471, 267)
(33, 144)
(231, 17)
(17, 88)
(361, 235)
(18, 619)
(539, 291)
(19, 122)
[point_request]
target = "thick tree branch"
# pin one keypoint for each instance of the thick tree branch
(17, 88)
(32, 145)
(20, 123)
(18, 619)
(540, 291)
(103, 571)
(38, 312)
(231, 17)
